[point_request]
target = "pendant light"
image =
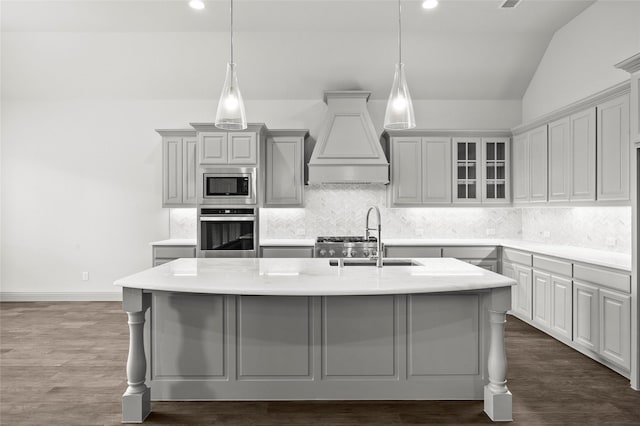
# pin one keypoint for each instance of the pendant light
(399, 113)
(230, 114)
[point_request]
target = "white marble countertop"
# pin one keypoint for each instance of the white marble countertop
(175, 242)
(311, 277)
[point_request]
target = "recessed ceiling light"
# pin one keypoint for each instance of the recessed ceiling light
(429, 4)
(196, 4)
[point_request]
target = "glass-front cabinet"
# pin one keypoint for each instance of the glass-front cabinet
(481, 170)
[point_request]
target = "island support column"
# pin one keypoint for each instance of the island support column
(497, 398)
(136, 401)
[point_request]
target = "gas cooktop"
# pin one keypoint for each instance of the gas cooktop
(345, 246)
(346, 239)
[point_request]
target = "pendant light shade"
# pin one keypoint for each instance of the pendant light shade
(230, 114)
(399, 114)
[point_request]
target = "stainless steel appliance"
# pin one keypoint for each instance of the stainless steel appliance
(227, 232)
(230, 186)
(346, 246)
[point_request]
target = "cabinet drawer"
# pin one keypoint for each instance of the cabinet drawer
(515, 256)
(610, 279)
(174, 251)
(552, 265)
(287, 252)
(470, 252)
(412, 251)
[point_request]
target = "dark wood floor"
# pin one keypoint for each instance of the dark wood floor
(64, 364)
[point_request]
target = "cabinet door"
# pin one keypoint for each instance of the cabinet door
(467, 170)
(635, 107)
(189, 171)
(495, 161)
(172, 170)
(524, 305)
(436, 170)
(542, 299)
(559, 160)
(284, 171)
(509, 271)
(521, 168)
(583, 155)
(538, 164)
(613, 149)
(615, 323)
(561, 294)
(585, 315)
(243, 148)
(406, 164)
(213, 148)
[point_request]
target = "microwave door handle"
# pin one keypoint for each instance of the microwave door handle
(227, 219)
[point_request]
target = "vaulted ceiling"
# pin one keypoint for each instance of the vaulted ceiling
(284, 49)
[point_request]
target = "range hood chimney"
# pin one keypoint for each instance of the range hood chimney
(347, 149)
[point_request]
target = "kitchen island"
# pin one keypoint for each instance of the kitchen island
(284, 329)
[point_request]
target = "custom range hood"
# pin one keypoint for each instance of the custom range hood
(347, 149)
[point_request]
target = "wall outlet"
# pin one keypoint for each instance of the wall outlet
(491, 231)
(85, 276)
(611, 242)
(546, 234)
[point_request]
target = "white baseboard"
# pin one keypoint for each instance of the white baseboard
(9, 296)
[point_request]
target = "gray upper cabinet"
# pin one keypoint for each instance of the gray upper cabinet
(179, 167)
(285, 168)
(421, 171)
(538, 164)
(530, 166)
(613, 149)
(572, 157)
(219, 148)
(495, 167)
(468, 169)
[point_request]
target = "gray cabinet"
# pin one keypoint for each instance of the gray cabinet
(421, 171)
(613, 157)
(238, 148)
(166, 253)
(518, 265)
(495, 170)
(179, 168)
(284, 168)
(468, 169)
(572, 157)
(615, 327)
(585, 315)
(541, 309)
(530, 166)
(552, 295)
(286, 251)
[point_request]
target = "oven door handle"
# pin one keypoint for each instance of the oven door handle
(227, 219)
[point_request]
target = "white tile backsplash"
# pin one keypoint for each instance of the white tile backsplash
(607, 228)
(341, 210)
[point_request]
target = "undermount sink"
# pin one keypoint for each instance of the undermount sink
(372, 262)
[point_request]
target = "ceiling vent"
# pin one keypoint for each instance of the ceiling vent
(509, 4)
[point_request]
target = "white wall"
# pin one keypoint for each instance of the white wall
(580, 59)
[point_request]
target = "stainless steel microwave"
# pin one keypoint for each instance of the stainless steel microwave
(229, 186)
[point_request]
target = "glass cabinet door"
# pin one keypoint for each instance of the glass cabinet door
(495, 163)
(467, 170)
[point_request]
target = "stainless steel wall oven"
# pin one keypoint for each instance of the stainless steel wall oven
(227, 232)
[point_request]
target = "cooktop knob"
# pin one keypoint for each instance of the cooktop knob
(353, 253)
(332, 252)
(344, 252)
(323, 252)
(365, 252)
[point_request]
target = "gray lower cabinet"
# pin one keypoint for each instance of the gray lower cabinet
(517, 265)
(179, 168)
(284, 168)
(286, 251)
(552, 296)
(613, 160)
(163, 254)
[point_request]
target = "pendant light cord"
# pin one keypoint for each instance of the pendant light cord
(232, 31)
(399, 33)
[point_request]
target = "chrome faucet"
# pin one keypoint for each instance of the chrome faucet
(378, 255)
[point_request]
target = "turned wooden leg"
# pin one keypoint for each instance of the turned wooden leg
(136, 401)
(497, 398)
